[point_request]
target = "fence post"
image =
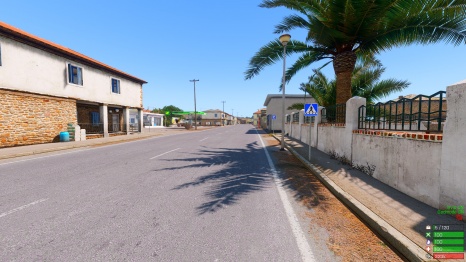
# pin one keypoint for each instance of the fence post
(287, 127)
(351, 123)
(301, 122)
(291, 123)
(453, 167)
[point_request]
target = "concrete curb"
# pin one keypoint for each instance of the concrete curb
(400, 242)
(88, 143)
(77, 145)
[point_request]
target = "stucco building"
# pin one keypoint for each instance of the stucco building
(213, 117)
(273, 102)
(45, 86)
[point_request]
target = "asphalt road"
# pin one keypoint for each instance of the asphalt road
(197, 196)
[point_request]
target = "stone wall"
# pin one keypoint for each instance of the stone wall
(84, 113)
(27, 119)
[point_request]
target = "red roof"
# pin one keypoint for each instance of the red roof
(24, 37)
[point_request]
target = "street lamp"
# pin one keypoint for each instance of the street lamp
(284, 39)
(195, 111)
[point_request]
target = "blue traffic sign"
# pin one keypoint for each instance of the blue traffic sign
(311, 109)
(274, 117)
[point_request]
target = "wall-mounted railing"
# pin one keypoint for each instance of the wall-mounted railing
(296, 117)
(420, 113)
(334, 114)
(92, 128)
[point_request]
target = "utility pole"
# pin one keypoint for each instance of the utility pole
(223, 113)
(195, 111)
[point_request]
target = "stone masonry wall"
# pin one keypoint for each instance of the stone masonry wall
(27, 119)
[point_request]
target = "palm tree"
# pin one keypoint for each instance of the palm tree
(365, 82)
(342, 30)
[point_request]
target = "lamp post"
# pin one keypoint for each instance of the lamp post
(195, 111)
(284, 39)
(223, 113)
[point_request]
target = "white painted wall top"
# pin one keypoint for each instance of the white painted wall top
(35, 65)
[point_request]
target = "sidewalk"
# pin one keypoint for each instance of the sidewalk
(397, 217)
(19, 151)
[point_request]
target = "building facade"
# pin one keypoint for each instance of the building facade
(44, 87)
(213, 117)
(273, 102)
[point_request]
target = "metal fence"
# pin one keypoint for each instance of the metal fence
(116, 128)
(309, 119)
(420, 113)
(99, 128)
(334, 114)
(92, 128)
(295, 117)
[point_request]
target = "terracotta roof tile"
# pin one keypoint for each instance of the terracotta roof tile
(28, 38)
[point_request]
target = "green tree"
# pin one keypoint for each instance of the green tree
(342, 30)
(365, 82)
(168, 117)
(297, 106)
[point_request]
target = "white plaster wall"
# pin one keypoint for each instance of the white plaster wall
(295, 130)
(333, 139)
(453, 172)
(300, 132)
(27, 68)
(411, 166)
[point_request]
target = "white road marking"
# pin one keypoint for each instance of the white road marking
(303, 245)
(164, 153)
(22, 207)
(203, 139)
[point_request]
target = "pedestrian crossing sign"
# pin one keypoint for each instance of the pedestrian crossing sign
(311, 109)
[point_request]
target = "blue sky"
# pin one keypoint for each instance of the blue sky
(167, 43)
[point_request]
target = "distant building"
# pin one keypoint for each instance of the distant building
(151, 120)
(213, 117)
(256, 118)
(273, 102)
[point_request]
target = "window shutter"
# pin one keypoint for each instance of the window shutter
(80, 76)
(95, 118)
(70, 74)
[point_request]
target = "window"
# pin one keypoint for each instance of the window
(0, 55)
(75, 75)
(115, 86)
(95, 118)
(215, 115)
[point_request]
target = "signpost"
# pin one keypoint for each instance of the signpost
(310, 110)
(274, 117)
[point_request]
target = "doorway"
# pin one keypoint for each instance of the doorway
(115, 122)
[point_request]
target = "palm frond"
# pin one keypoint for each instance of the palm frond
(270, 54)
(291, 22)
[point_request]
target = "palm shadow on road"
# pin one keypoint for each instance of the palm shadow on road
(239, 172)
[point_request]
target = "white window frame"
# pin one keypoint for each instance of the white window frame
(111, 85)
(68, 64)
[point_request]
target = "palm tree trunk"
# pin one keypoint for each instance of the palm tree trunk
(343, 64)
